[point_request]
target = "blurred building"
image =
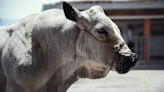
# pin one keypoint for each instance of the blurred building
(141, 22)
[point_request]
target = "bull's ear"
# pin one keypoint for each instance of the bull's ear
(70, 12)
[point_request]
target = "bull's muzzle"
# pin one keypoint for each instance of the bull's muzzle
(125, 62)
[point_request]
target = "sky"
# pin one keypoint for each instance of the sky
(17, 9)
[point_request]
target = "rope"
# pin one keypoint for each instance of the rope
(117, 51)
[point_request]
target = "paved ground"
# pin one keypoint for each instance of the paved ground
(134, 81)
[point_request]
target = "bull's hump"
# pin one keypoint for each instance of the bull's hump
(53, 19)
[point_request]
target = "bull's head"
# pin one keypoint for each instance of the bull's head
(101, 44)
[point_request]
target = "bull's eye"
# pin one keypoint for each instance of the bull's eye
(102, 31)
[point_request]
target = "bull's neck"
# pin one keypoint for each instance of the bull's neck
(65, 72)
(64, 78)
(62, 85)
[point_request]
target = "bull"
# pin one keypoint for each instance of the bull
(53, 49)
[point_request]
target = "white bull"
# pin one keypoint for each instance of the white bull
(51, 50)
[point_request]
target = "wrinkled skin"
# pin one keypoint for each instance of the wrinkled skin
(56, 47)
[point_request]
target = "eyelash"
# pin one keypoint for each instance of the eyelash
(102, 31)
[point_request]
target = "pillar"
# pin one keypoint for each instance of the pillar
(147, 30)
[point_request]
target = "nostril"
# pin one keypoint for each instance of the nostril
(134, 57)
